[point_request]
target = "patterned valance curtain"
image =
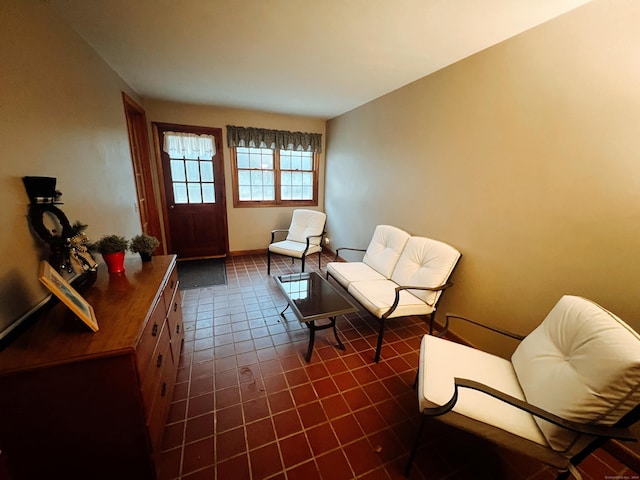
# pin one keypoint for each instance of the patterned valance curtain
(189, 145)
(273, 139)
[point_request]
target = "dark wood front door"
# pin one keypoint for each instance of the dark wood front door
(194, 193)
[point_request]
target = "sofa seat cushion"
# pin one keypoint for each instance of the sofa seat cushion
(442, 360)
(377, 296)
(425, 263)
(385, 248)
(292, 249)
(581, 363)
(347, 272)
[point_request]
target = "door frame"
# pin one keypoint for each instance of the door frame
(142, 164)
(161, 180)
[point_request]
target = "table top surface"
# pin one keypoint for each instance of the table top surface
(311, 297)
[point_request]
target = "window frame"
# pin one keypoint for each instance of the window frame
(279, 202)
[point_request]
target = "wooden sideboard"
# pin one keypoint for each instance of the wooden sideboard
(76, 404)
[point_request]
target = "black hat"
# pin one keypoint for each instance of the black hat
(41, 189)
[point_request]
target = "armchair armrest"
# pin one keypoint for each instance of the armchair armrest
(618, 433)
(309, 241)
(408, 287)
(501, 331)
(279, 230)
(348, 248)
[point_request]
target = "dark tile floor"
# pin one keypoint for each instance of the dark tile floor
(247, 405)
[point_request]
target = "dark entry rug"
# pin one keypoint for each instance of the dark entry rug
(201, 273)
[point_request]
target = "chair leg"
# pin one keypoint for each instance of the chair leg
(320, 260)
(302, 264)
(268, 262)
(379, 346)
(414, 448)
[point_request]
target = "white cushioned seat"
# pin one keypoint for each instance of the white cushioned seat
(377, 296)
(293, 249)
(347, 272)
(441, 361)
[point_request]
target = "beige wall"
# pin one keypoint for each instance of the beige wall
(525, 156)
(249, 228)
(61, 115)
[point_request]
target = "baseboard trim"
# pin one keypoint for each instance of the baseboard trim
(240, 253)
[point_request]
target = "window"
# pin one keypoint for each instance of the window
(266, 177)
(191, 162)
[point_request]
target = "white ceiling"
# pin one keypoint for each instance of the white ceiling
(316, 58)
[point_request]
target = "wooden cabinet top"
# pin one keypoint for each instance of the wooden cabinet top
(122, 304)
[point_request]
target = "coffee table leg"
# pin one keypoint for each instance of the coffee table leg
(312, 337)
(335, 333)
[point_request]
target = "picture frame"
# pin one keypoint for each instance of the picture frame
(68, 295)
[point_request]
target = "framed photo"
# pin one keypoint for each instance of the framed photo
(66, 293)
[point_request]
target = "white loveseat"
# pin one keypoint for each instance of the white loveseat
(400, 275)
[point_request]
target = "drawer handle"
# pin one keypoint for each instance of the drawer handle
(178, 328)
(163, 390)
(175, 306)
(159, 362)
(154, 330)
(172, 284)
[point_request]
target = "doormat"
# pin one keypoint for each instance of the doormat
(201, 273)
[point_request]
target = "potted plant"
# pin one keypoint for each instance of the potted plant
(145, 245)
(112, 248)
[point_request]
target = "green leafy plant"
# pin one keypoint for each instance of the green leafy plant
(143, 243)
(110, 244)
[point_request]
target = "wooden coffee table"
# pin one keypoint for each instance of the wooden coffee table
(312, 298)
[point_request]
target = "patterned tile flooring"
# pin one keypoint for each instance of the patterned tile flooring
(247, 405)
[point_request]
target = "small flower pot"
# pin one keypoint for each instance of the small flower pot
(114, 261)
(146, 257)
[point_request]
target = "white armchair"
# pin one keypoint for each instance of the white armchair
(304, 237)
(571, 384)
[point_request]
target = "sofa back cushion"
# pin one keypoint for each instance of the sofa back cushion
(305, 223)
(385, 248)
(425, 263)
(581, 363)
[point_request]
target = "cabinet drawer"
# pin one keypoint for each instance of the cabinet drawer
(170, 288)
(149, 339)
(160, 362)
(157, 416)
(174, 322)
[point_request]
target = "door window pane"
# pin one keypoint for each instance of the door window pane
(180, 193)
(208, 193)
(206, 171)
(195, 195)
(193, 172)
(177, 171)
